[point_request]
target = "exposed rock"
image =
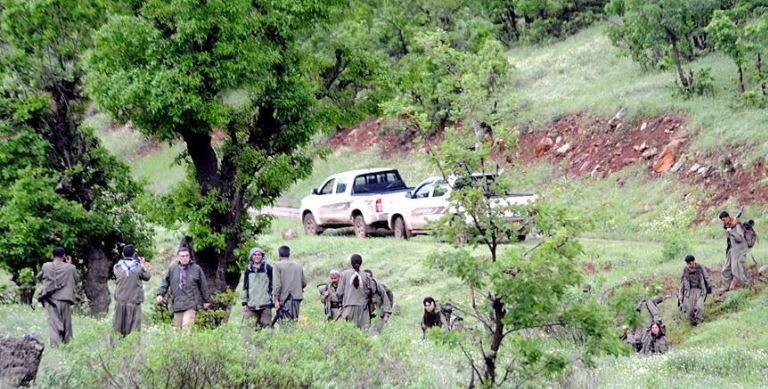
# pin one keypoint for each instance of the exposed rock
(643, 126)
(694, 168)
(667, 157)
(616, 121)
(647, 154)
(290, 233)
(704, 171)
(763, 271)
(19, 359)
(641, 147)
(678, 165)
(563, 149)
(544, 145)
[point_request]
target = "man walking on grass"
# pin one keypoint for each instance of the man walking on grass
(130, 273)
(58, 277)
(694, 287)
(288, 284)
(257, 290)
(735, 253)
(188, 287)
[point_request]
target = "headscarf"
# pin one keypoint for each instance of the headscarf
(249, 269)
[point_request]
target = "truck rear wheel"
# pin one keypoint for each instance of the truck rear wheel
(399, 228)
(361, 229)
(310, 226)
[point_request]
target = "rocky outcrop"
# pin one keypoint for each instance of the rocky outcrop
(19, 359)
(666, 159)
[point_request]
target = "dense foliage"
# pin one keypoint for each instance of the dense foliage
(241, 69)
(61, 188)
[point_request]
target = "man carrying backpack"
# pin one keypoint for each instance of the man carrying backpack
(380, 300)
(735, 253)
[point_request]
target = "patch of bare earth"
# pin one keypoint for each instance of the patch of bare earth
(590, 145)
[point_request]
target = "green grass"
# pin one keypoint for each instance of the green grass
(640, 215)
(585, 73)
(155, 167)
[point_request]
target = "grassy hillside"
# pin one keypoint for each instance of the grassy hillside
(710, 355)
(585, 73)
(638, 222)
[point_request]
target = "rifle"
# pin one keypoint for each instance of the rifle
(282, 312)
(46, 298)
(738, 215)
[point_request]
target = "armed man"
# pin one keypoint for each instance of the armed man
(695, 285)
(735, 252)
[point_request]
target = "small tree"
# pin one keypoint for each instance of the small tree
(521, 299)
(658, 33)
(514, 292)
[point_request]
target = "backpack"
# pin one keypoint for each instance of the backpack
(750, 235)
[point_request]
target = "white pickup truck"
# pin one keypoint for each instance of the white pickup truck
(432, 199)
(357, 198)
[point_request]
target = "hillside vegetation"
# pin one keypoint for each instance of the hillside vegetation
(650, 218)
(265, 111)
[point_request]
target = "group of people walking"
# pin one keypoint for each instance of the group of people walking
(695, 286)
(352, 295)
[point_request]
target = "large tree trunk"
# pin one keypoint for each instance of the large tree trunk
(684, 81)
(212, 178)
(95, 283)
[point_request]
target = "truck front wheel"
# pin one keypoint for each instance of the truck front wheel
(310, 226)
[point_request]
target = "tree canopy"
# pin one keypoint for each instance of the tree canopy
(63, 187)
(247, 70)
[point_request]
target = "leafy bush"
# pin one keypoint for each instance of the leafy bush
(296, 356)
(8, 288)
(675, 246)
(221, 303)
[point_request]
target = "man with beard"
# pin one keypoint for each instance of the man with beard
(188, 287)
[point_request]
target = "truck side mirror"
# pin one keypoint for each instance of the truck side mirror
(408, 194)
(313, 191)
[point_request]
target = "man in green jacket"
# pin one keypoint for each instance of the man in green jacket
(130, 273)
(58, 277)
(257, 290)
(188, 287)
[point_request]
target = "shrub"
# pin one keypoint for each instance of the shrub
(675, 247)
(735, 301)
(8, 288)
